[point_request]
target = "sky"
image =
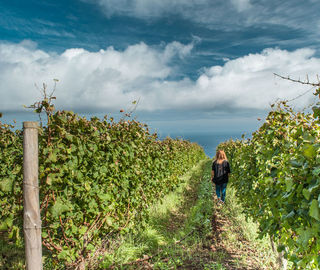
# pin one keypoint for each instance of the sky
(193, 65)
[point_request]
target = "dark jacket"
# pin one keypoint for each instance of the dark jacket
(221, 172)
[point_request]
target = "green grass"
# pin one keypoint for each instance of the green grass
(11, 254)
(189, 230)
(238, 237)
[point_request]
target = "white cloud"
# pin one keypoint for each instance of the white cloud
(229, 15)
(176, 48)
(110, 79)
(241, 5)
(104, 79)
(248, 82)
(203, 11)
(145, 9)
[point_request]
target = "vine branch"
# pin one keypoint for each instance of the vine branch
(299, 81)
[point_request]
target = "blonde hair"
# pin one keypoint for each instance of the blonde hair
(220, 156)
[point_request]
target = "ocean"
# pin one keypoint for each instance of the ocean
(208, 140)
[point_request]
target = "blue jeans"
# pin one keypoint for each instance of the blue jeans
(221, 191)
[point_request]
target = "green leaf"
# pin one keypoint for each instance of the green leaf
(82, 230)
(304, 236)
(104, 197)
(58, 208)
(316, 111)
(313, 187)
(6, 184)
(52, 157)
(3, 226)
(6, 224)
(69, 137)
(296, 163)
(87, 186)
(90, 247)
(49, 180)
(316, 171)
(281, 248)
(306, 193)
(109, 221)
(64, 254)
(44, 234)
(289, 184)
(309, 151)
(314, 210)
(291, 214)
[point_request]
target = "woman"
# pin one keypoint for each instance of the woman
(220, 174)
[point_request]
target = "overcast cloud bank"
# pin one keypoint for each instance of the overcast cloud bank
(110, 80)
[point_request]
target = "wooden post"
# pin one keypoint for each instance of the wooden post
(31, 214)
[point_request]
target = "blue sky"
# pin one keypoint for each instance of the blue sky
(201, 65)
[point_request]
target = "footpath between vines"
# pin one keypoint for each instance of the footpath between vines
(189, 230)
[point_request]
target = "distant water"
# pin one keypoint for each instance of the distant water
(209, 140)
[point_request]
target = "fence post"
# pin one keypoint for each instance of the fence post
(31, 214)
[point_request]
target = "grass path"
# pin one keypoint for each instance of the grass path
(234, 241)
(189, 230)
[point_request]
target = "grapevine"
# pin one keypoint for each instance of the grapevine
(97, 179)
(277, 177)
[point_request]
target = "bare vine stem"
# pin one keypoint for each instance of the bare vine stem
(299, 81)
